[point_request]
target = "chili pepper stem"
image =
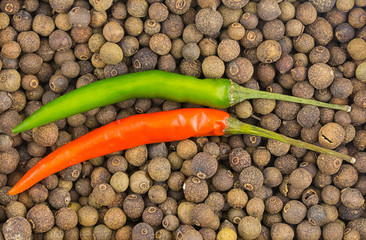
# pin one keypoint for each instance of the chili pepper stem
(234, 126)
(239, 94)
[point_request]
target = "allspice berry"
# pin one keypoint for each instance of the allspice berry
(356, 47)
(320, 75)
(209, 21)
(45, 135)
(249, 227)
(269, 51)
(111, 53)
(331, 135)
(213, 67)
(268, 10)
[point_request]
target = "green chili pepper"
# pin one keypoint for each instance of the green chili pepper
(219, 93)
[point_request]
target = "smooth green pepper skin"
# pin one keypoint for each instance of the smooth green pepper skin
(149, 84)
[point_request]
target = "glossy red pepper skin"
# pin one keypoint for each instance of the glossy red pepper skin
(127, 133)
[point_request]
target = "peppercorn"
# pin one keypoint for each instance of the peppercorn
(331, 135)
(251, 178)
(249, 227)
(328, 164)
(195, 189)
(223, 180)
(307, 231)
(133, 206)
(352, 198)
(346, 176)
(306, 13)
(17, 227)
(294, 212)
(239, 159)
(268, 10)
(272, 177)
(41, 218)
(213, 67)
(282, 231)
(269, 31)
(204, 216)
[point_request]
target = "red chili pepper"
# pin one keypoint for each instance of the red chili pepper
(145, 129)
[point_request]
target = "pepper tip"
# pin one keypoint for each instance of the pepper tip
(353, 160)
(12, 191)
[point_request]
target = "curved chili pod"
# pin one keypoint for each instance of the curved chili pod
(149, 128)
(127, 133)
(218, 93)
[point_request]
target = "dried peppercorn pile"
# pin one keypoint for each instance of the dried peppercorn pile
(218, 187)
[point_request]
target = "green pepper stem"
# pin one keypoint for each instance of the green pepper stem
(234, 126)
(239, 94)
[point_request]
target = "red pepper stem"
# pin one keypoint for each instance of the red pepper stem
(239, 94)
(234, 126)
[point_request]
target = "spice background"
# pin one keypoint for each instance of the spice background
(309, 49)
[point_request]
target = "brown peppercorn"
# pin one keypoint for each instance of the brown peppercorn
(41, 218)
(355, 47)
(9, 160)
(45, 135)
(346, 176)
(306, 13)
(282, 231)
(158, 12)
(317, 215)
(300, 178)
(133, 206)
(136, 156)
(319, 54)
(223, 180)
(17, 227)
(274, 30)
(159, 169)
(144, 60)
(272, 177)
(173, 26)
(113, 32)
(352, 198)
(331, 135)
(273, 204)
(216, 200)
(204, 165)
(294, 212)
(328, 164)
(255, 207)
(306, 231)
(239, 159)
(152, 216)
(195, 189)
(60, 41)
(237, 198)
(269, 51)
(249, 227)
(357, 17)
(66, 218)
(79, 17)
(228, 50)
(209, 21)
(268, 10)
(186, 149)
(59, 198)
(204, 216)
(140, 182)
(320, 75)
(213, 67)
(251, 178)
(240, 70)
